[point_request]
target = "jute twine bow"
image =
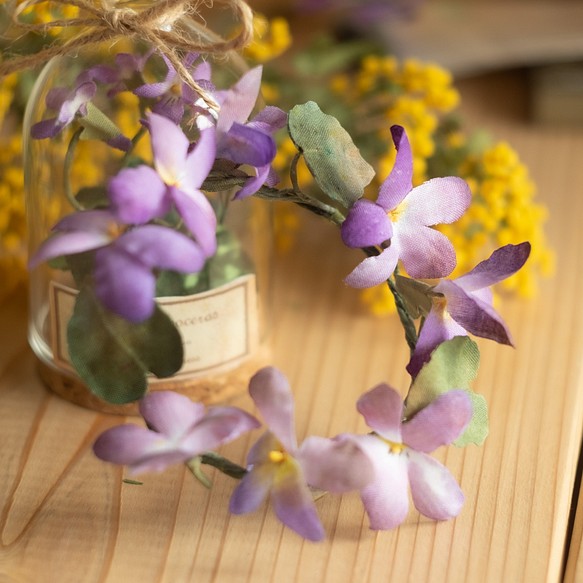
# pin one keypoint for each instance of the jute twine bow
(106, 21)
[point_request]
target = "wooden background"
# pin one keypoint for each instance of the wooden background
(67, 517)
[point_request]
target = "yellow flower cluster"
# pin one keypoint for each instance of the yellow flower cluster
(12, 219)
(271, 38)
(86, 171)
(7, 87)
(503, 211)
(412, 94)
(47, 12)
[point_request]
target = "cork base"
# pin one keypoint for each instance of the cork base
(210, 390)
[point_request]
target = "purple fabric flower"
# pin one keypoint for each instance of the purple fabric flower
(124, 261)
(279, 466)
(141, 194)
(173, 94)
(465, 305)
(404, 215)
(127, 67)
(248, 142)
(68, 104)
(398, 451)
(178, 431)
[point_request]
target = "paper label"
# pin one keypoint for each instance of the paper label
(219, 327)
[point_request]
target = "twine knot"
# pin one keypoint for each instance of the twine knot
(153, 24)
(121, 20)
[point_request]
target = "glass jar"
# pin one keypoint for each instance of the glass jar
(221, 311)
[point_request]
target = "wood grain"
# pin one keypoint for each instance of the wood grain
(66, 517)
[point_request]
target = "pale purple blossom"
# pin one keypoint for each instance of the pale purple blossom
(178, 430)
(172, 94)
(399, 451)
(465, 305)
(400, 222)
(127, 70)
(68, 104)
(278, 466)
(248, 142)
(141, 194)
(125, 260)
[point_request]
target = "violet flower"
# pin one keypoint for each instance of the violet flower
(248, 142)
(172, 93)
(76, 103)
(128, 67)
(179, 430)
(68, 103)
(279, 466)
(124, 260)
(398, 450)
(465, 305)
(400, 221)
(141, 194)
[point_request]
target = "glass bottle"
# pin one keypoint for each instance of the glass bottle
(222, 312)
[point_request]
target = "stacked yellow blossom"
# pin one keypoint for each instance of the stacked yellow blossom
(86, 171)
(271, 38)
(503, 211)
(47, 12)
(412, 94)
(12, 220)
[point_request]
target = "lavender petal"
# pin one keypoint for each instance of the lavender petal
(435, 492)
(382, 409)
(272, 395)
(366, 225)
(439, 423)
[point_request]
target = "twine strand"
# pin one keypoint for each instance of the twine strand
(106, 22)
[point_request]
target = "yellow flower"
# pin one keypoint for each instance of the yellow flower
(340, 83)
(271, 38)
(502, 211)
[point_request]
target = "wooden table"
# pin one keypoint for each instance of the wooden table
(67, 517)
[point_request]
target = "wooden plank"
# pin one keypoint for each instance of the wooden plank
(66, 517)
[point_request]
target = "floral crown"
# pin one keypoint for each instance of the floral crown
(154, 218)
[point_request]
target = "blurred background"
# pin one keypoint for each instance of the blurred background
(466, 37)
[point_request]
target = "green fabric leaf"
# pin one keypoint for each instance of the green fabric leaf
(81, 266)
(93, 197)
(416, 295)
(477, 430)
(113, 356)
(97, 126)
(333, 159)
(453, 365)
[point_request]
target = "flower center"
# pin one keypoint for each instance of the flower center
(440, 305)
(277, 456)
(394, 446)
(114, 230)
(396, 213)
